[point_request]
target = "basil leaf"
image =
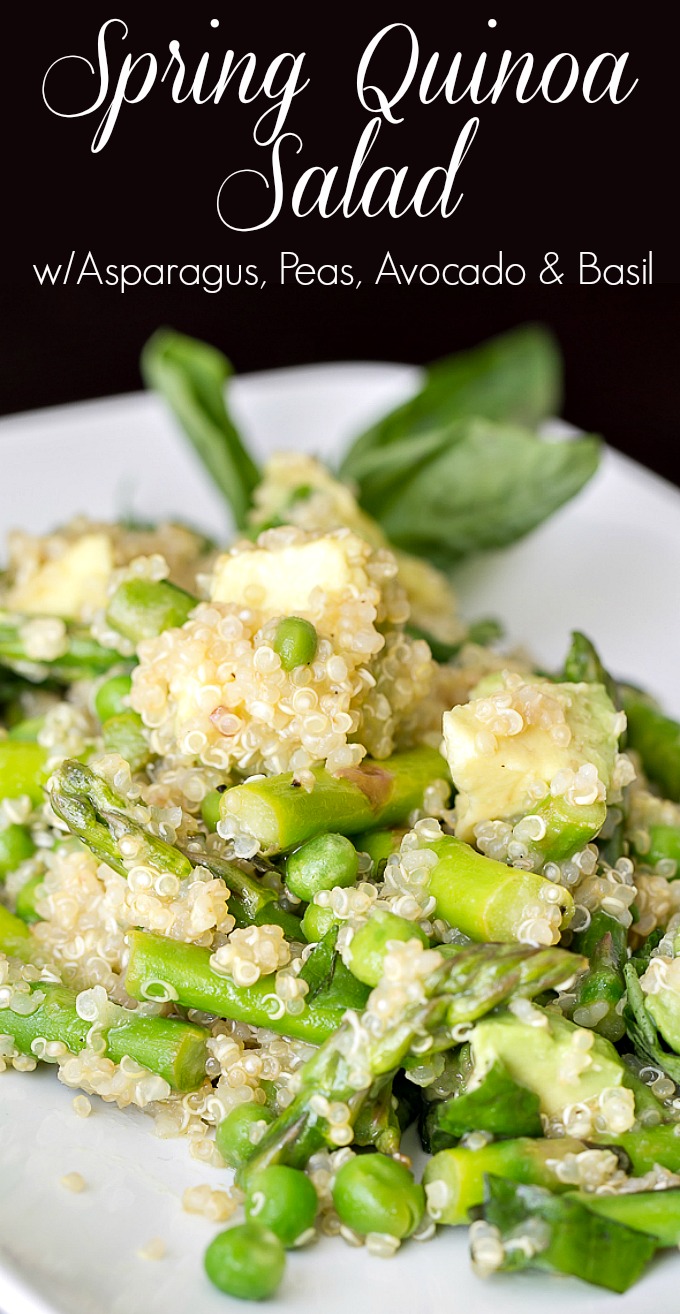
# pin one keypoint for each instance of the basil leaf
(191, 376)
(516, 378)
(446, 494)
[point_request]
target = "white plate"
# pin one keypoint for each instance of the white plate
(607, 564)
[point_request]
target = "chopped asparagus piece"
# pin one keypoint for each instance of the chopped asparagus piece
(455, 1177)
(280, 815)
(488, 901)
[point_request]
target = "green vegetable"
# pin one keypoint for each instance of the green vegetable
(365, 956)
(447, 493)
(657, 739)
(233, 1135)
(280, 815)
(144, 608)
(379, 845)
(373, 1193)
(296, 642)
(16, 845)
(98, 816)
(124, 734)
(22, 770)
(455, 1177)
(463, 988)
(645, 1148)
(173, 1049)
(157, 962)
(643, 1016)
(664, 845)
(26, 730)
(246, 1261)
(25, 904)
(111, 697)
(316, 923)
(191, 376)
(321, 864)
(484, 898)
(327, 977)
(497, 1104)
(15, 937)
(514, 378)
(655, 1212)
(481, 632)
(564, 1236)
(210, 808)
(82, 657)
(540, 1057)
(583, 664)
(605, 945)
(282, 1199)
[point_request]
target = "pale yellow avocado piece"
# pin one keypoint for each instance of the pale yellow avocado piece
(280, 582)
(547, 1059)
(73, 585)
(498, 784)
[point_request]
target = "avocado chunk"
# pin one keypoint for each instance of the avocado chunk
(532, 747)
(562, 1063)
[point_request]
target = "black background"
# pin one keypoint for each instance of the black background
(537, 178)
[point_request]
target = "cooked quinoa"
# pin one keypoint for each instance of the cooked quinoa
(531, 821)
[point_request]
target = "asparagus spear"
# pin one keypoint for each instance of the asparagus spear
(540, 1230)
(185, 968)
(604, 944)
(644, 1149)
(354, 1061)
(455, 1177)
(280, 815)
(583, 664)
(657, 739)
(81, 658)
(94, 812)
(173, 1049)
(487, 900)
(655, 1212)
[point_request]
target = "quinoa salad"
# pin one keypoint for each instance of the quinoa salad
(330, 881)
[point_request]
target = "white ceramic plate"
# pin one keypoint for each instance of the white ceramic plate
(607, 564)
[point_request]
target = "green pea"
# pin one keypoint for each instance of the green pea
(366, 953)
(144, 608)
(296, 642)
(246, 1261)
(233, 1133)
(282, 1199)
(321, 864)
(16, 845)
(109, 699)
(25, 903)
(379, 845)
(210, 808)
(316, 922)
(373, 1193)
